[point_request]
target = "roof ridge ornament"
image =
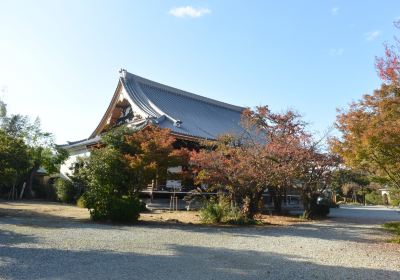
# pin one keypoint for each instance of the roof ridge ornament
(178, 123)
(122, 73)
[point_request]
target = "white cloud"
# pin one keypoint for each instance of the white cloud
(335, 11)
(189, 11)
(372, 35)
(336, 52)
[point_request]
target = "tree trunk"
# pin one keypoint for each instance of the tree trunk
(278, 202)
(251, 204)
(310, 206)
(31, 175)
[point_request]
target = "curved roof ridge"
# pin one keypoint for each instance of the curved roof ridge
(185, 93)
(142, 100)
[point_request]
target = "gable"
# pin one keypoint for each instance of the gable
(137, 99)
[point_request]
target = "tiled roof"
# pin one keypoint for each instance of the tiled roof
(80, 143)
(183, 112)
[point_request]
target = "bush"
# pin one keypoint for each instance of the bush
(394, 196)
(374, 198)
(81, 202)
(393, 227)
(319, 208)
(44, 191)
(104, 206)
(215, 212)
(65, 190)
(235, 217)
(143, 207)
(124, 209)
(321, 211)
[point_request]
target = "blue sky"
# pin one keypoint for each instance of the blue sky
(59, 60)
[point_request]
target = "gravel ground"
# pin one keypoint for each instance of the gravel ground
(350, 245)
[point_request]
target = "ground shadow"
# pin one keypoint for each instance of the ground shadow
(173, 262)
(337, 227)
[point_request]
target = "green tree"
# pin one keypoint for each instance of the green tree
(14, 160)
(127, 162)
(41, 148)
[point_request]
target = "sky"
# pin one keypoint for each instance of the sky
(59, 60)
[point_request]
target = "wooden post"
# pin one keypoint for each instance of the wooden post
(173, 203)
(22, 191)
(152, 189)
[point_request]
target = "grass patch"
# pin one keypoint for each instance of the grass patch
(393, 227)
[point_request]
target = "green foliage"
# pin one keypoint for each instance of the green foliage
(45, 191)
(394, 195)
(216, 211)
(81, 202)
(106, 206)
(319, 208)
(116, 173)
(24, 148)
(213, 212)
(116, 138)
(14, 159)
(374, 198)
(342, 178)
(65, 190)
(393, 227)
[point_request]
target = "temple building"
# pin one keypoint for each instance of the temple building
(137, 101)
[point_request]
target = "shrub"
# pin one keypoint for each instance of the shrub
(374, 198)
(81, 202)
(65, 190)
(235, 217)
(44, 191)
(319, 208)
(393, 227)
(322, 210)
(394, 197)
(142, 206)
(213, 212)
(110, 207)
(125, 209)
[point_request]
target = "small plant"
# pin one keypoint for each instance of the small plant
(81, 202)
(394, 195)
(219, 210)
(393, 227)
(374, 198)
(65, 190)
(213, 212)
(235, 217)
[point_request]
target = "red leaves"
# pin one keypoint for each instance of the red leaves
(275, 151)
(154, 152)
(388, 67)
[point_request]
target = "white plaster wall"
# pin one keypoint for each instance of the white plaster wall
(66, 168)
